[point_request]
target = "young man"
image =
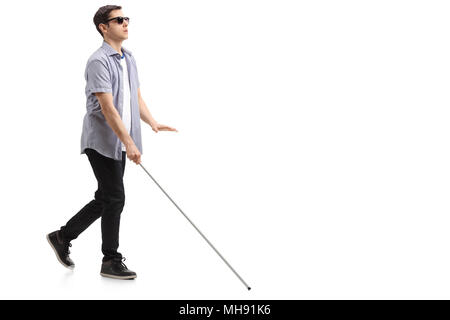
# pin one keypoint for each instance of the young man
(111, 132)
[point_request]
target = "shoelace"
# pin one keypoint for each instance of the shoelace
(121, 262)
(68, 251)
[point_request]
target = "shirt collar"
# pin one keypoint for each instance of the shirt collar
(110, 50)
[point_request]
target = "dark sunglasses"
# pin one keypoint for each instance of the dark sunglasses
(119, 19)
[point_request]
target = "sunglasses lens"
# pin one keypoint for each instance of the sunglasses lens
(120, 20)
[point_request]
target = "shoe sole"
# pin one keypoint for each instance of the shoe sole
(117, 277)
(57, 256)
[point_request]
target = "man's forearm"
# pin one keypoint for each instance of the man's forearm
(145, 114)
(115, 122)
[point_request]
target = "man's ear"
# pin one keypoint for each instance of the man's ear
(103, 29)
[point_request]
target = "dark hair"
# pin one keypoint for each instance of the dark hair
(102, 15)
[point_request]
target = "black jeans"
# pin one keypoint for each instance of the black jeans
(108, 204)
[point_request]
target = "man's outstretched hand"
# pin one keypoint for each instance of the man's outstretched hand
(161, 127)
(133, 153)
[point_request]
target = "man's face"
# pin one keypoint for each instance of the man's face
(115, 30)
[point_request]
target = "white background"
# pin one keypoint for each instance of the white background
(313, 150)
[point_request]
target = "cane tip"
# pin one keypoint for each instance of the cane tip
(249, 288)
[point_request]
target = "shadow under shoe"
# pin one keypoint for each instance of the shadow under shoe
(116, 269)
(61, 249)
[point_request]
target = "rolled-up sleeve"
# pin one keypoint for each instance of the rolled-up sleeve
(98, 78)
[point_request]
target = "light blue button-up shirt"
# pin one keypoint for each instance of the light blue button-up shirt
(104, 74)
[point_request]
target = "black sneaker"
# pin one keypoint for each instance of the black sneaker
(61, 249)
(116, 269)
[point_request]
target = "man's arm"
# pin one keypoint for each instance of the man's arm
(113, 118)
(145, 114)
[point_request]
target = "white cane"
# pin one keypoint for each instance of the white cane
(226, 262)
